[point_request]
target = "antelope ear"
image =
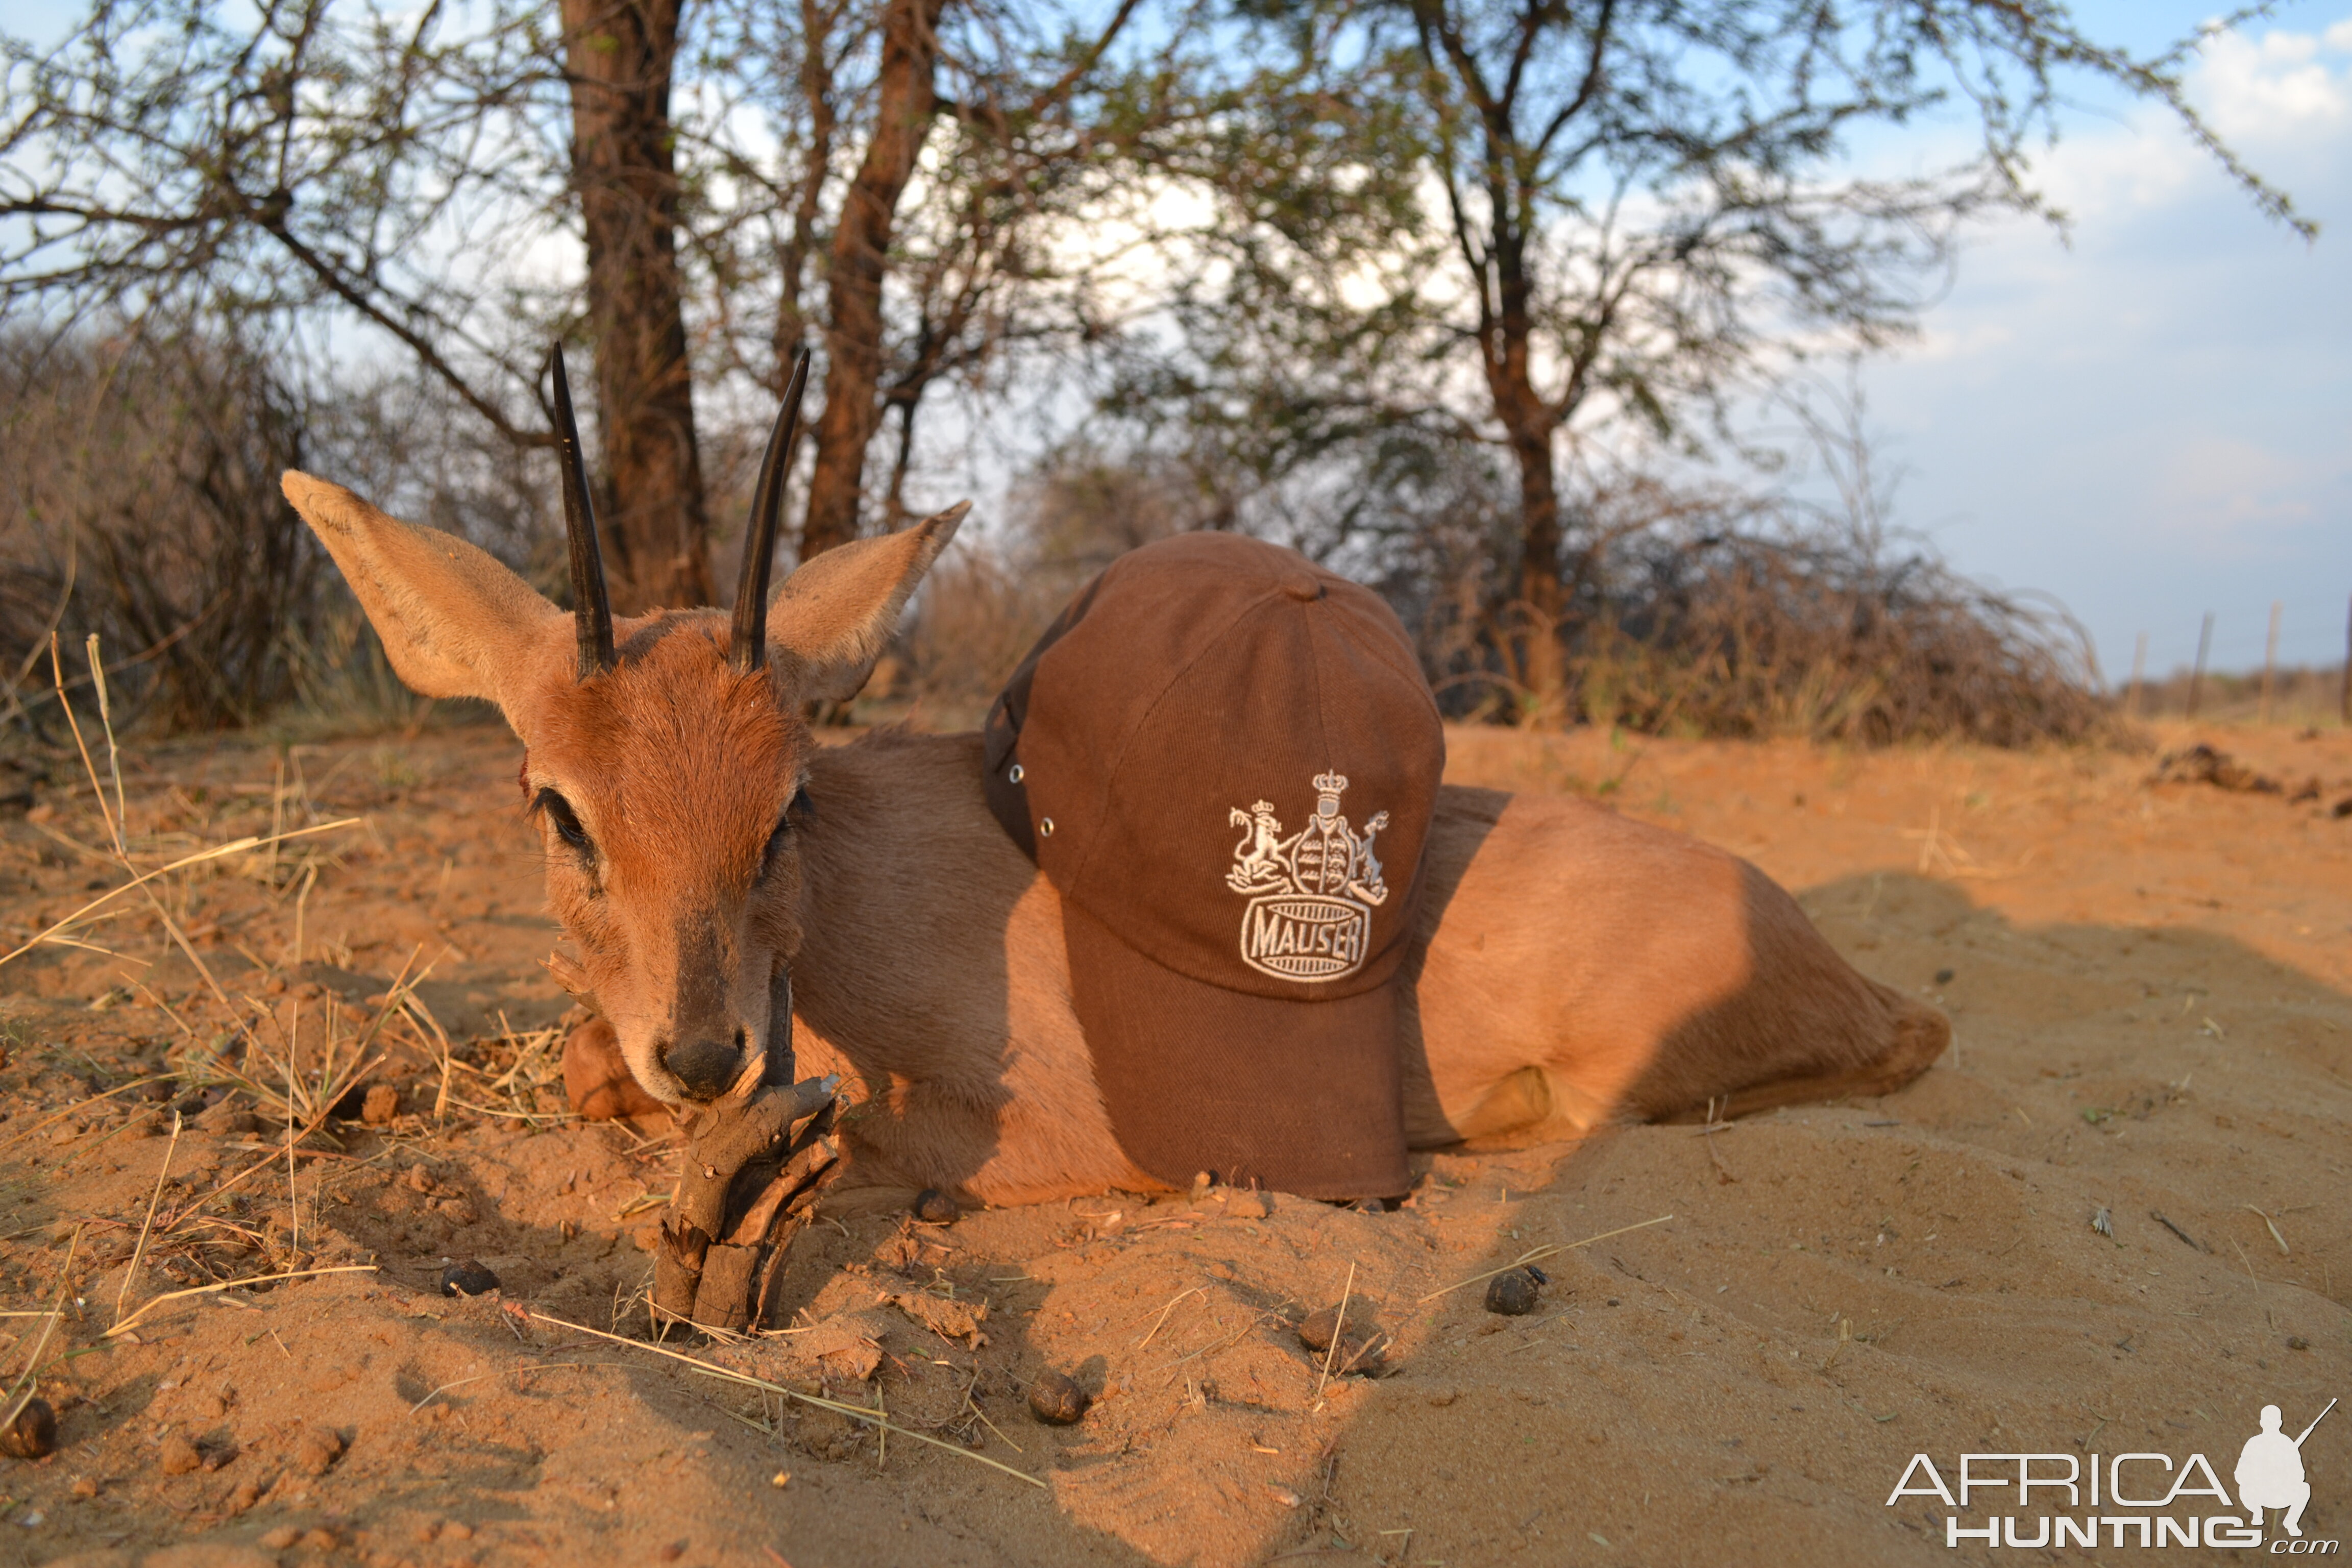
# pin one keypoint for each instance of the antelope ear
(454, 621)
(831, 618)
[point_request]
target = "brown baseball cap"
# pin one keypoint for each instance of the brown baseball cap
(1227, 759)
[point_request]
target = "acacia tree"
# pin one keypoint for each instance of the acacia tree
(321, 161)
(1538, 226)
(276, 177)
(924, 254)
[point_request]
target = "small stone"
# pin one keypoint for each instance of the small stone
(179, 1457)
(467, 1278)
(1943, 977)
(279, 1538)
(320, 1539)
(933, 1207)
(317, 1450)
(1056, 1399)
(226, 1119)
(1320, 1326)
(2297, 1343)
(1360, 1348)
(383, 1103)
(1248, 1206)
(86, 1486)
(1514, 1293)
(34, 1434)
(456, 1529)
(781, 1479)
(672, 1551)
(247, 1494)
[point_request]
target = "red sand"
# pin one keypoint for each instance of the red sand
(2152, 991)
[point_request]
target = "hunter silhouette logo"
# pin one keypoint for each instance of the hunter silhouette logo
(1312, 894)
(2270, 1471)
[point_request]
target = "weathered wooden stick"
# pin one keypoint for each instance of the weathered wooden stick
(751, 1171)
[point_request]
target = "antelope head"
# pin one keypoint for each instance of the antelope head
(666, 762)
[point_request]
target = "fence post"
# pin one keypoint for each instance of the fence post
(2197, 675)
(2270, 659)
(2139, 668)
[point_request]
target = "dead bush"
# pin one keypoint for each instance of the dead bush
(1824, 634)
(142, 503)
(1693, 609)
(993, 595)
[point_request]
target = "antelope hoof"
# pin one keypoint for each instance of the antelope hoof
(597, 1081)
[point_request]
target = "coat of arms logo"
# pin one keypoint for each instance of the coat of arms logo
(1311, 894)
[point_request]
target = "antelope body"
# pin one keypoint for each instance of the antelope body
(720, 872)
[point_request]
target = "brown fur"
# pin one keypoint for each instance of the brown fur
(1576, 967)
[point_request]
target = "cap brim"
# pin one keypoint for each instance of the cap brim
(1297, 1097)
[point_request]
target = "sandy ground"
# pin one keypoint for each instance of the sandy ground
(2152, 991)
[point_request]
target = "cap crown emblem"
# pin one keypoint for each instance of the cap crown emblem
(1311, 893)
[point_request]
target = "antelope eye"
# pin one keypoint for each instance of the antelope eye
(801, 808)
(567, 822)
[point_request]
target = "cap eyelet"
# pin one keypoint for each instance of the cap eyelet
(1017, 774)
(1044, 828)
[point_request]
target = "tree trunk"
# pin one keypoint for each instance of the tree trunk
(619, 54)
(1528, 423)
(861, 245)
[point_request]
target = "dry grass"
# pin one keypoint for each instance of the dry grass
(875, 1417)
(285, 1056)
(2301, 696)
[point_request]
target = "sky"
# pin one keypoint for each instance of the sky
(2151, 416)
(2151, 419)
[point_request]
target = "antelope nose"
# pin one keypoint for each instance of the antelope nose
(706, 1066)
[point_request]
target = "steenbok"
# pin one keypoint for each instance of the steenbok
(719, 873)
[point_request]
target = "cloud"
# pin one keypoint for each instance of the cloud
(2265, 90)
(2148, 421)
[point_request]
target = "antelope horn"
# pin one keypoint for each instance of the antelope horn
(592, 608)
(750, 638)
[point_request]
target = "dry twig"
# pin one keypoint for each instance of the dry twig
(1536, 1254)
(854, 1411)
